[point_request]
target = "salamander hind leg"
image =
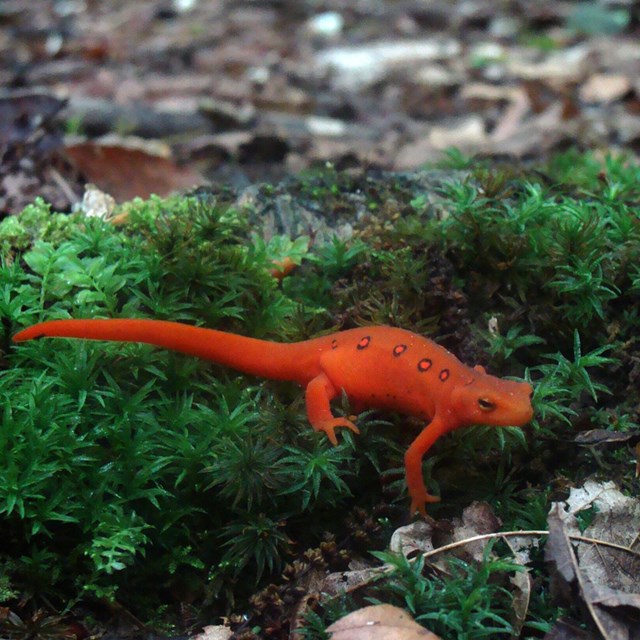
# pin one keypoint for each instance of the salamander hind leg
(319, 393)
(329, 427)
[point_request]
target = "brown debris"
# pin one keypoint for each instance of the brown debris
(31, 160)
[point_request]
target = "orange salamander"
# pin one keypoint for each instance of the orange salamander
(381, 367)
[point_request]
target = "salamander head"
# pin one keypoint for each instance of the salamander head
(492, 401)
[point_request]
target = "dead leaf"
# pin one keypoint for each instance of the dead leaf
(605, 88)
(96, 203)
(413, 538)
(477, 519)
(214, 632)
(558, 550)
(362, 65)
(466, 133)
(520, 547)
(560, 66)
(379, 622)
(310, 583)
(604, 577)
(129, 168)
(521, 582)
(616, 519)
(604, 436)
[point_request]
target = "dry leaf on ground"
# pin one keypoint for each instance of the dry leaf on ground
(379, 622)
(604, 577)
(214, 632)
(128, 168)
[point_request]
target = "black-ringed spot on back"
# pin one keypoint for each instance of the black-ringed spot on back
(334, 343)
(424, 365)
(363, 343)
(444, 374)
(399, 349)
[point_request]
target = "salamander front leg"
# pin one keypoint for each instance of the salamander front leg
(319, 393)
(413, 465)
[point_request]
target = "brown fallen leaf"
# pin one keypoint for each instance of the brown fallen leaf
(522, 584)
(465, 133)
(412, 539)
(558, 550)
(96, 203)
(604, 436)
(615, 519)
(614, 611)
(214, 632)
(605, 88)
(379, 622)
(477, 518)
(556, 67)
(128, 168)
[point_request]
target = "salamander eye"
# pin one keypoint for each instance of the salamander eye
(486, 405)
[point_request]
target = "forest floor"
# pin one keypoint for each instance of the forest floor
(156, 96)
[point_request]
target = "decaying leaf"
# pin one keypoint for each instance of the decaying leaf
(414, 538)
(214, 632)
(96, 203)
(605, 575)
(127, 169)
(379, 622)
(559, 551)
(604, 87)
(477, 518)
(604, 436)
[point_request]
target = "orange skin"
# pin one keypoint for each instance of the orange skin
(380, 367)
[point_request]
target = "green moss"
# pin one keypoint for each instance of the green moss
(36, 221)
(115, 457)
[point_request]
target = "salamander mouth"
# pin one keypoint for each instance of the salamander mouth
(524, 417)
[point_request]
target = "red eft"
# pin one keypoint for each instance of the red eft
(379, 366)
